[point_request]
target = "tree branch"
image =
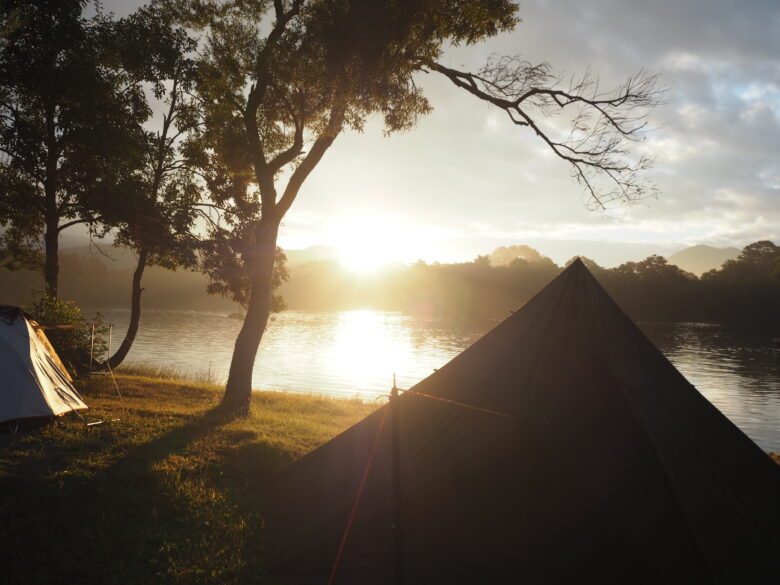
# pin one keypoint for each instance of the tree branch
(71, 223)
(295, 150)
(315, 154)
(603, 123)
(258, 91)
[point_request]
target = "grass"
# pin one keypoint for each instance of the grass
(146, 370)
(162, 492)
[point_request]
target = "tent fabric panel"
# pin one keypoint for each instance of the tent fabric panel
(50, 351)
(57, 390)
(706, 448)
(338, 466)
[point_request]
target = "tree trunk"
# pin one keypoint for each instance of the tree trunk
(135, 314)
(51, 213)
(238, 390)
(51, 267)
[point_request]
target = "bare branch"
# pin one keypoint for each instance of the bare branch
(601, 124)
(207, 217)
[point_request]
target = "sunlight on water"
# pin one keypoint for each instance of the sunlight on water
(367, 343)
(355, 354)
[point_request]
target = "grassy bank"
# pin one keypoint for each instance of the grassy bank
(165, 494)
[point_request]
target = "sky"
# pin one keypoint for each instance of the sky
(466, 180)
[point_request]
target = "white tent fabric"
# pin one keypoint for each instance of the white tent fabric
(33, 382)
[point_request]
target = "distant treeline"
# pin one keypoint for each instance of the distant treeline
(488, 288)
(90, 283)
(744, 289)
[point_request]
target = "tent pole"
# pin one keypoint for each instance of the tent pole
(108, 360)
(91, 348)
(91, 352)
(397, 525)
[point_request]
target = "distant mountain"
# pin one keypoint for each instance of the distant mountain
(700, 259)
(311, 254)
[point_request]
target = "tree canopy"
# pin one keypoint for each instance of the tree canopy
(70, 119)
(279, 81)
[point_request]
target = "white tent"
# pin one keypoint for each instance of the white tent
(33, 381)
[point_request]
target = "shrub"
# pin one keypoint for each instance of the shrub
(69, 331)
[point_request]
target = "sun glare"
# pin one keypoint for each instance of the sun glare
(370, 347)
(368, 242)
(367, 259)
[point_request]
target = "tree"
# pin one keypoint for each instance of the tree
(747, 287)
(69, 121)
(281, 80)
(756, 261)
(505, 255)
(159, 200)
(223, 259)
(652, 289)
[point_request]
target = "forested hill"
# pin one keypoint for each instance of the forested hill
(743, 289)
(746, 288)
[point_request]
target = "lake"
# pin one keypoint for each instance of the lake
(356, 353)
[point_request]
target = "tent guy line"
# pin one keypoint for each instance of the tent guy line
(456, 403)
(372, 456)
(362, 486)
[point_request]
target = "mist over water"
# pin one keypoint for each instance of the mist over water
(356, 353)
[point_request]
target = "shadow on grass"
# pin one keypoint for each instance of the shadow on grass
(180, 508)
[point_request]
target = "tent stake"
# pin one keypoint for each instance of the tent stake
(397, 525)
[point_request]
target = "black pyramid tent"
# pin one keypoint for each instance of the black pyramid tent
(611, 469)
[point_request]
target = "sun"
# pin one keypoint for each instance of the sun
(363, 260)
(367, 254)
(367, 242)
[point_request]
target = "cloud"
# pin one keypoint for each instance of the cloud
(719, 134)
(467, 171)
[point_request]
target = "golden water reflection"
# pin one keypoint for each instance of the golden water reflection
(368, 345)
(355, 354)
